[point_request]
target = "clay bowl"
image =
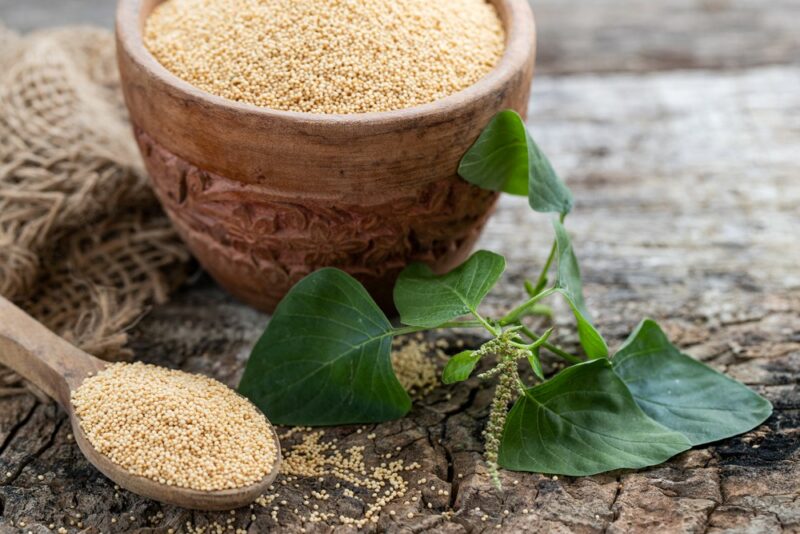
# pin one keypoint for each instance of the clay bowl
(265, 197)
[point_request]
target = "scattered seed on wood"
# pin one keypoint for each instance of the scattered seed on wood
(314, 457)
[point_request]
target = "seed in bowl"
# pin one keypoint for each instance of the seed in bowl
(175, 428)
(327, 56)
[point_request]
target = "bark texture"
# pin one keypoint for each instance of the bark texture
(687, 211)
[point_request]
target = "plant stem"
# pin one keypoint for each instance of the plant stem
(519, 311)
(541, 282)
(562, 353)
(460, 324)
(492, 330)
(553, 348)
(452, 324)
(541, 309)
(538, 342)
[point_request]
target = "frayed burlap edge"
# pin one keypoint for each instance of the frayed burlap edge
(84, 247)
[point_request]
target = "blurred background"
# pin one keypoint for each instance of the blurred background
(578, 35)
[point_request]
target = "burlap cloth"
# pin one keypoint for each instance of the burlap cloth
(84, 247)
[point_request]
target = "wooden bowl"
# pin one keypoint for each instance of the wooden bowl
(265, 197)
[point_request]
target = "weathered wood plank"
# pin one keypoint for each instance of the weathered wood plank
(687, 197)
(35, 14)
(580, 36)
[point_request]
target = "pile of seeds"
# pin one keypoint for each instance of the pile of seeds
(327, 56)
(176, 428)
(414, 363)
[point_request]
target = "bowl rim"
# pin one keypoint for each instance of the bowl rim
(520, 45)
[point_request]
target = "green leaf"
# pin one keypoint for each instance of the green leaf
(534, 358)
(505, 158)
(569, 272)
(570, 285)
(536, 363)
(460, 366)
(581, 422)
(592, 341)
(498, 160)
(683, 394)
(530, 289)
(325, 357)
(426, 300)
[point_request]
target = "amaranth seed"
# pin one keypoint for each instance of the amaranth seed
(327, 56)
(175, 428)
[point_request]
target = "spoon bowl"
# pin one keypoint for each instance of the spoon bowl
(58, 368)
(183, 497)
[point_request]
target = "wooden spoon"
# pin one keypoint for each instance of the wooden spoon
(58, 368)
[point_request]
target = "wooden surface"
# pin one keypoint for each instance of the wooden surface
(687, 211)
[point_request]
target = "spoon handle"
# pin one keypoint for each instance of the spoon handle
(40, 356)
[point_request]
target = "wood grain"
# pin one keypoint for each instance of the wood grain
(604, 36)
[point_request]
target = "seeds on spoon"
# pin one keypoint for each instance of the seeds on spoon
(175, 428)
